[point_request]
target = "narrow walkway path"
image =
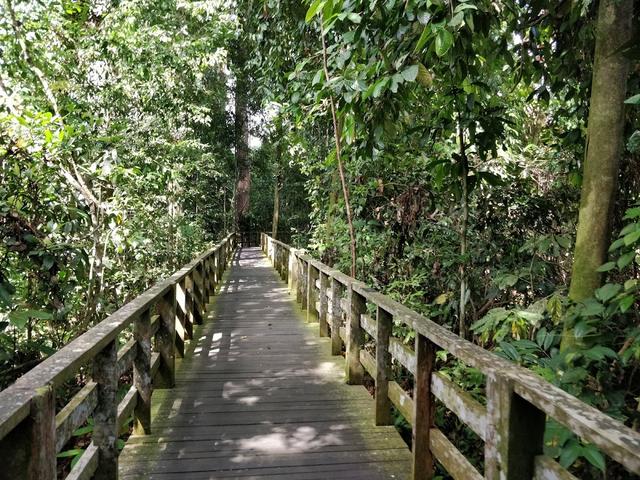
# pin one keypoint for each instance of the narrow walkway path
(259, 396)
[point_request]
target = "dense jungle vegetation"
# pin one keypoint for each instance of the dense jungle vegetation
(476, 160)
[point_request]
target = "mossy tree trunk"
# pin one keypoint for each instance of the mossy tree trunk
(603, 149)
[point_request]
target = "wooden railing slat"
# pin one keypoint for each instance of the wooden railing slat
(86, 466)
(75, 413)
(454, 462)
(546, 468)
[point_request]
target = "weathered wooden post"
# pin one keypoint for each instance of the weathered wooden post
(337, 289)
(384, 322)
(303, 283)
(199, 308)
(217, 267)
(354, 369)
(142, 374)
(105, 427)
(190, 304)
(312, 293)
(299, 279)
(29, 450)
(180, 317)
(516, 432)
(165, 340)
(324, 305)
(423, 409)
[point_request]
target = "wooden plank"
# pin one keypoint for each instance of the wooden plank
(241, 408)
(86, 466)
(323, 305)
(312, 293)
(402, 354)
(368, 362)
(105, 429)
(165, 340)
(423, 410)
(402, 401)
(471, 412)
(353, 368)
(126, 354)
(515, 432)
(142, 378)
(126, 406)
(336, 317)
(546, 468)
(368, 324)
(384, 325)
(454, 462)
(75, 413)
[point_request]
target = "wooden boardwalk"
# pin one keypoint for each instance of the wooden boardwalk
(258, 395)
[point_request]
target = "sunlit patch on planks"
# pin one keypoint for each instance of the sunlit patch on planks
(258, 395)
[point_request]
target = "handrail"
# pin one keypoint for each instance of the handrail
(518, 401)
(31, 433)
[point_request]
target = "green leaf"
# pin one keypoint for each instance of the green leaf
(635, 100)
(606, 267)
(354, 17)
(632, 213)
(607, 291)
(570, 453)
(313, 9)
(626, 302)
(583, 329)
(593, 456)
(70, 453)
(317, 77)
(457, 19)
(444, 41)
(426, 33)
(617, 244)
(631, 238)
(410, 73)
(626, 259)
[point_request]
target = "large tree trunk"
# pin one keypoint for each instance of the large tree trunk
(603, 149)
(243, 162)
(277, 185)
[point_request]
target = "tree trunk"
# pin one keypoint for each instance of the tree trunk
(603, 149)
(464, 221)
(277, 186)
(243, 163)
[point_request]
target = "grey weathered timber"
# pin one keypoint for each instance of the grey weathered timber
(142, 374)
(29, 451)
(259, 395)
(383, 367)
(337, 290)
(353, 367)
(105, 428)
(324, 306)
(312, 293)
(423, 409)
(166, 339)
(515, 437)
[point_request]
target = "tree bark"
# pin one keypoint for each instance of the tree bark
(464, 221)
(277, 186)
(243, 162)
(603, 149)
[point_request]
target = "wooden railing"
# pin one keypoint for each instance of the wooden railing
(518, 401)
(158, 322)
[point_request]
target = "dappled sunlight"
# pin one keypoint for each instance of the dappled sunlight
(262, 397)
(302, 439)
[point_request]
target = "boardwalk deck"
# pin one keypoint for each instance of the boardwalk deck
(258, 395)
